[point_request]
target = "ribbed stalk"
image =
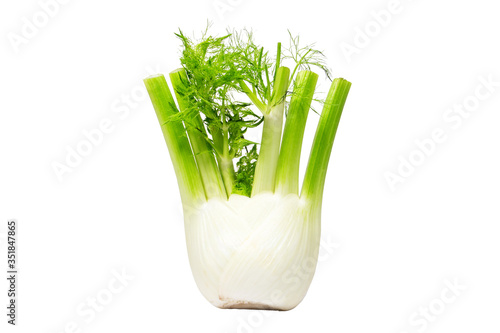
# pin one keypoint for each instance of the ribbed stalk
(188, 176)
(203, 152)
(224, 161)
(265, 170)
(317, 166)
(287, 173)
(228, 173)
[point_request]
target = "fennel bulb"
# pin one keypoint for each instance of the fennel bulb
(252, 237)
(258, 252)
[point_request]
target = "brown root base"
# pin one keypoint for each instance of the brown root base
(248, 306)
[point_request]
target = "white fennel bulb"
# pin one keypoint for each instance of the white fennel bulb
(258, 252)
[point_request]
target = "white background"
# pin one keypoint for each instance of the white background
(120, 208)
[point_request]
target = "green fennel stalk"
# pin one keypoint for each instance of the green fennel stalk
(215, 71)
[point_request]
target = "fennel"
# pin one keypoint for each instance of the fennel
(252, 237)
